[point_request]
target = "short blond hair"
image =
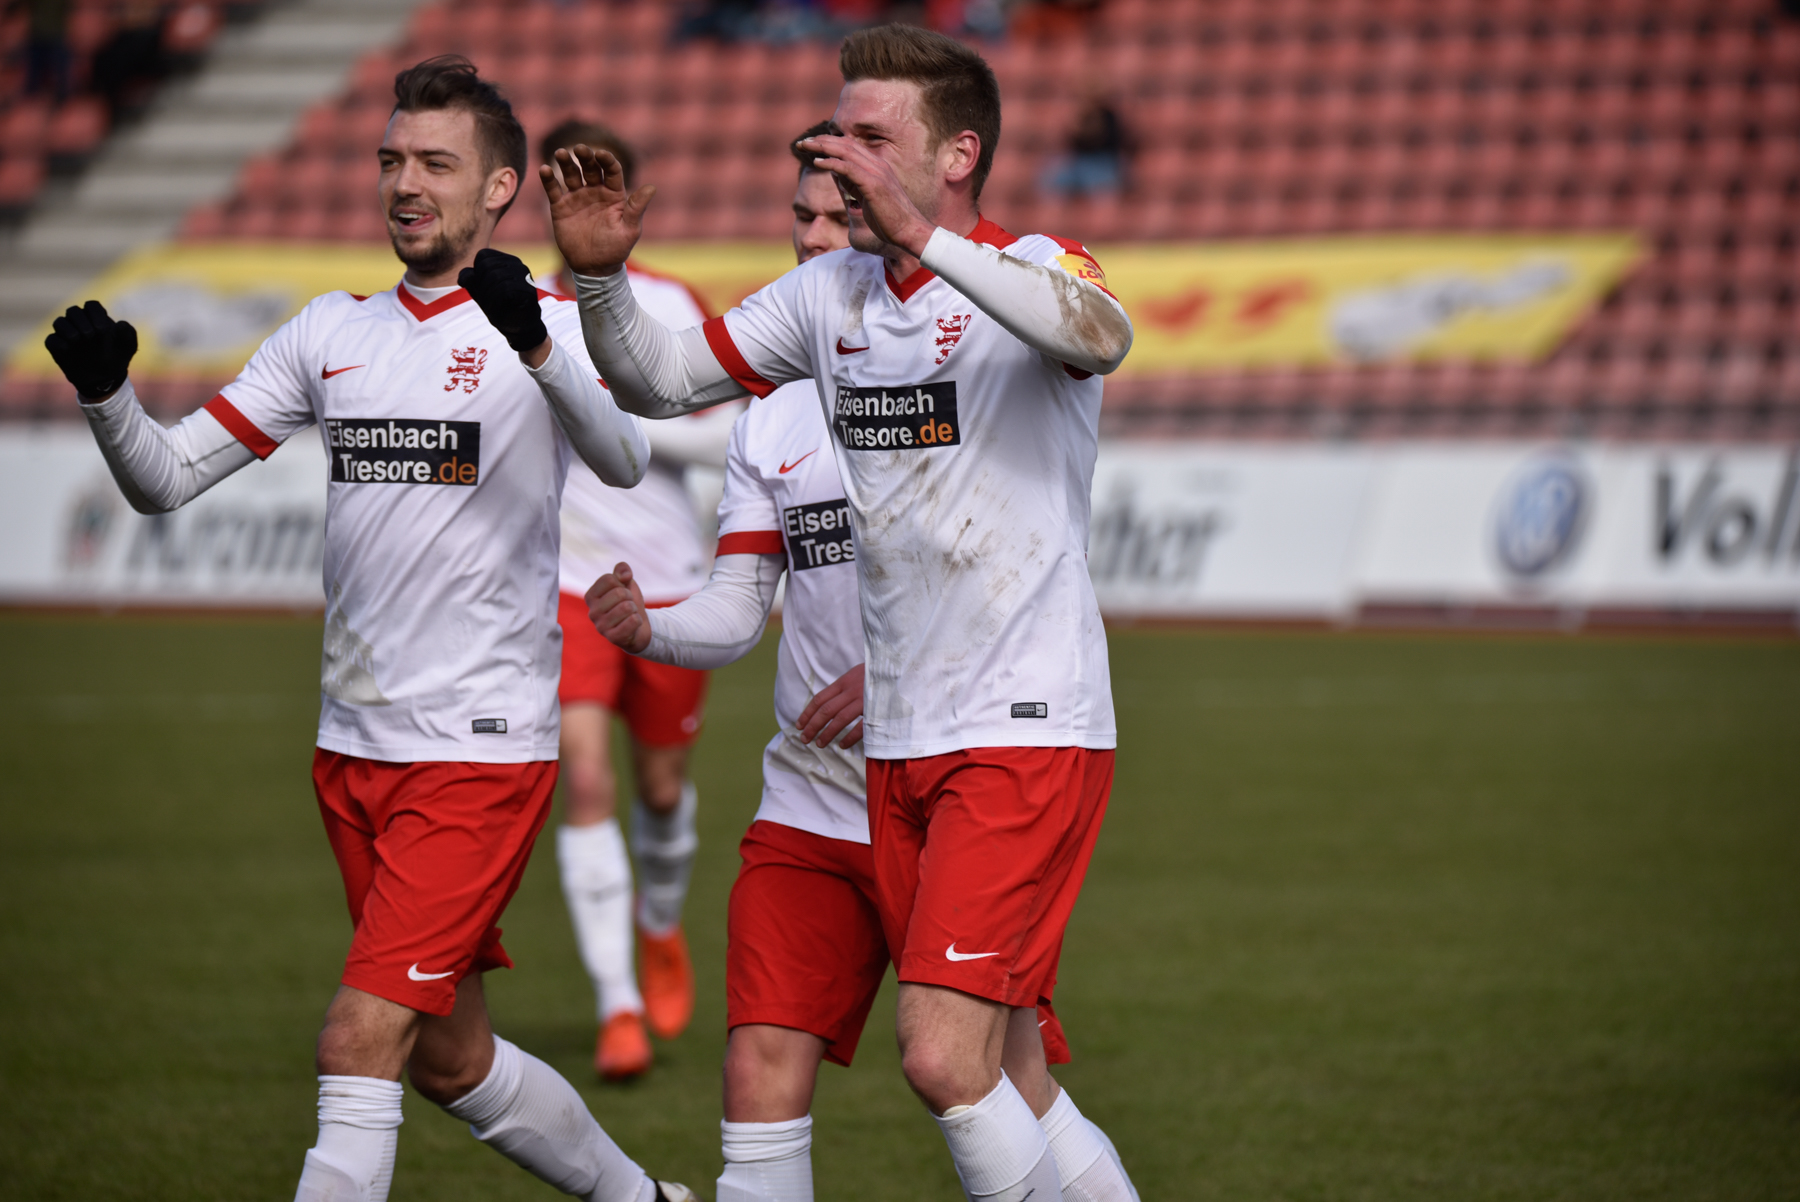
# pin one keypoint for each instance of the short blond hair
(958, 88)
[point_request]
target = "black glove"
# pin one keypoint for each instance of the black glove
(93, 350)
(502, 286)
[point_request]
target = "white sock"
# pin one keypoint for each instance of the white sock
(359, 1126)
(767, 1162)
(1086, 1161)
(525, 1111)
(596, 883)
(1000, 1152)
(664, 845)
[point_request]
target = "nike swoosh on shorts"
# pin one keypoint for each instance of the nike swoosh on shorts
(950, 953)
(414, 973)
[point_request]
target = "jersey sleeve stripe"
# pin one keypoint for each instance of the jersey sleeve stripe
(732, 359)
(241, 427)
(751, 542)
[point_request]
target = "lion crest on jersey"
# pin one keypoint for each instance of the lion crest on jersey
(465, 368)
(950, 332)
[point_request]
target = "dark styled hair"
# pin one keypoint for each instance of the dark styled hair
(577, 130)
(959, 88)
(809, 159)
(450, 81)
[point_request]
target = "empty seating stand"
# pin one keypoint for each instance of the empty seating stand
(1250, 118)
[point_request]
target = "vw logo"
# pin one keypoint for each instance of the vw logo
(1541, 514)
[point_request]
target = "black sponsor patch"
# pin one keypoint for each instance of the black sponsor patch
(1030, 709)
(403, 450)
(489, 726)
(910, 418)
(818, 535)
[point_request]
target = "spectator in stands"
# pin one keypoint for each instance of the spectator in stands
(131, 61)
(1098, 147)
(47, 49)
(1054, 18)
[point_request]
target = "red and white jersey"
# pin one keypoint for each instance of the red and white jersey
(967, 459)
(653, 526)
(783, 497)
(441, 530)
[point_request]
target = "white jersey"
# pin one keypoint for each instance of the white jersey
(783, 497)
(653, 526)
(967, 459)
(446, 474)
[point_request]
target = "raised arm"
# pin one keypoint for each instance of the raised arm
(610, 442)
(157, 469)
(1043, 306)
(652, 370)
(716, 626)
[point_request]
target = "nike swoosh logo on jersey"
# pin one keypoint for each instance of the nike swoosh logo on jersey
(950, 953)
(414, 973)
(787, 467)
(325, 373)
(849, 350)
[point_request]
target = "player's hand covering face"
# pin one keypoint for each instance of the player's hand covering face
(893, 177)
(93, 350)
(501, 284)
(595, 220)
(616, 608)
(437, 192)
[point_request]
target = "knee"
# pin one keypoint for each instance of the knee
(661, 792)
(941, 1077)
(443, 1073)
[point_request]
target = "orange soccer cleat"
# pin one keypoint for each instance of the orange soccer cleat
(667, 979)
(623, 1050)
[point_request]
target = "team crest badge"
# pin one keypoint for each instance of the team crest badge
(465, 368)
(950, 332)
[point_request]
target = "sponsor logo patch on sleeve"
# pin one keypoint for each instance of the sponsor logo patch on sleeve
(1083, 268)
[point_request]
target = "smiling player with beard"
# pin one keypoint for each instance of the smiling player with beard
(448, 430)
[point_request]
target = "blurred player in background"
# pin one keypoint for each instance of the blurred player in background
(448, 429)
(806, 953)
(958, 364)
(653, 526)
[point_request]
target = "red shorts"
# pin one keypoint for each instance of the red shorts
(979, 856)
(661, 704)
(430, 854)
(804, 945)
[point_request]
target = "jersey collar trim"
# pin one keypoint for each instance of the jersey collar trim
(985, 232)
(425, 312)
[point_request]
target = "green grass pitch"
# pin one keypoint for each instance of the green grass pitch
(1373, 917)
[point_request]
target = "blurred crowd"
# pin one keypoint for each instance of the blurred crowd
(794, 20)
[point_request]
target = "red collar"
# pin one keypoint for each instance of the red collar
(423, 311)
(985, 232)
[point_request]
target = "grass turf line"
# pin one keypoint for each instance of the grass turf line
(1372, 917)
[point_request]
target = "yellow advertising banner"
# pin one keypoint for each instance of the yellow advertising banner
(202, 308)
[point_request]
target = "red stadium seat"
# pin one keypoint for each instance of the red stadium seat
(77, 128)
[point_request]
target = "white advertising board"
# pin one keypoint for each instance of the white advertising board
(255, 540)
(1305, 531)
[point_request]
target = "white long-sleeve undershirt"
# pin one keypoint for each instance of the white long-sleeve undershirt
(698, 440)
(161, 468)
(722, 622)
(607, 439)
(657, 372)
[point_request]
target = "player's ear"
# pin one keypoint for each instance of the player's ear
(958, 155)
(503, 185)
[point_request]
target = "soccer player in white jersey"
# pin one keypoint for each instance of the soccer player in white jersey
(957, 366)
(806, 952)
(652, 526)
(448, 428)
